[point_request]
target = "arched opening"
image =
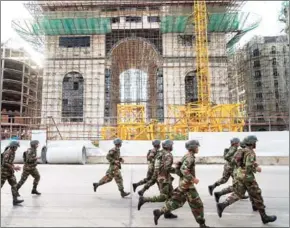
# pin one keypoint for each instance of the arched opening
(72, 97)
(133, 77)
(133, 87)
(191, 87)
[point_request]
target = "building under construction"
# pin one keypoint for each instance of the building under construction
(259, 78)
(21, 84)
(136, 69)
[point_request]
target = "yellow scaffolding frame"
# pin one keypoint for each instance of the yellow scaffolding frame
(182, 119)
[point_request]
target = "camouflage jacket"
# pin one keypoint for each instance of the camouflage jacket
(230, 154)
(152, 154)
(8, 161)
(250, 164)
(31, 158)
(114, 157)
(247, 171)
(187, 170)
(166, 162)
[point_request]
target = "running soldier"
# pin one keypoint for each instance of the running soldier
(8, 168)
(30, 162)
(153, 179)
(151, 155)
(186, 190)
(228, 169)
(229, 189)
(115, 161)
(163, 167)
(244, 180)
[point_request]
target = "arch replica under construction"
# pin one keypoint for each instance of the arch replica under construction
(134, 69)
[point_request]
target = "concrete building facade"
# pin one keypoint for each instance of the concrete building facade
(259, 77)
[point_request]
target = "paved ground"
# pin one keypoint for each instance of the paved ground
(68, 200)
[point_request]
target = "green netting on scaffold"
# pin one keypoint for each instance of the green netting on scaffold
(72, 26)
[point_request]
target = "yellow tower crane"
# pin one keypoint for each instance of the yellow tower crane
(201, 49)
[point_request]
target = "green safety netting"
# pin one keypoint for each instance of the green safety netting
(72, 26)
(218, 22)
(173, 24)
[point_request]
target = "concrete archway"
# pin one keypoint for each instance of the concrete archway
(140, 55)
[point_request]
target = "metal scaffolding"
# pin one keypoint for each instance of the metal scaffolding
(110, 61)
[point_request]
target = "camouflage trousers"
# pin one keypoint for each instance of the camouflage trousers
(113, 174)
(178, 199)
(25, 174)
(253, 189)
(10, 177)
(151, 182)
(228, 172)
(165, 193)
(148, 176)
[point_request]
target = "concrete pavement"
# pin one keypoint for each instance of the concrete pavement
(68, 200)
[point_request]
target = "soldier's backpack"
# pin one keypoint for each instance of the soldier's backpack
(226, 150)
(149, 151)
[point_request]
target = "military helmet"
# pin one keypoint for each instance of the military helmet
(34, 142)
(192, 144)
(156, 142)
(14, 144)
(167, 144)
(243, 144)
(235, 140)
(251, 139)
(117, 141)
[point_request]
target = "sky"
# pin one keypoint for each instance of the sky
(268, 10)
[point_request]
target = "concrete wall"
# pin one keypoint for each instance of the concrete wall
(90, 63)
(272, 148)
(212, 144)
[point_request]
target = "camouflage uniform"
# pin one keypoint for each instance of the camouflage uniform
(7, 170)
(244, 180)
(114, 169)
(228, 168)
(186, 190)
(29, 168)
(150, 159)
(229, 189)
(164, 179)
(153, 179)
(163, 167)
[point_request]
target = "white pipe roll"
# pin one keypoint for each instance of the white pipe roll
(74, 154)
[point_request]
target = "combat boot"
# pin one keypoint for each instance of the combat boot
(124, 194)
(141, 202)
(157, 214)
(169, 215)
(141, 192)
(265, 218)
(34, 191)
(201, 223)
(221, 207)
(134, 187)
(17, 201)
(96, 185)
(211, 188)
(217, 196)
